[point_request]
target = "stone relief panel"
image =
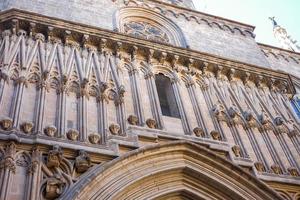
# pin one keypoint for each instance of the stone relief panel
(146, 31)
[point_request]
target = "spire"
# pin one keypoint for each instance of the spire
(283, 38)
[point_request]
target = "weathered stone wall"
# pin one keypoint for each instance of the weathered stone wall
(202, 33)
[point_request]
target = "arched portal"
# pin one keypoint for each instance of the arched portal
(175, 170)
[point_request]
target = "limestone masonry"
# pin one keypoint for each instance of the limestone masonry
(143, 99)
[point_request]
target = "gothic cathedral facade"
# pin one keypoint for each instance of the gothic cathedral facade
(143, 99)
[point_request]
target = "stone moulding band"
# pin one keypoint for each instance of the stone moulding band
(91, 37)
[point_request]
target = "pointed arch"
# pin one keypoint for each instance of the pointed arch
(171, 33)
(180, 168)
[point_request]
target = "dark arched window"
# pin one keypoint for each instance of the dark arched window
(166, 96)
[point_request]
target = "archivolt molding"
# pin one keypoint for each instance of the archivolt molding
(168, 168)
(190, 15)
(154, 21)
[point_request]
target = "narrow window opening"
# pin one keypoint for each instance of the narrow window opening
(166, 96)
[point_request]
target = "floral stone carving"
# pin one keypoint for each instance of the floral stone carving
(114, 129)
(72, 134)
(133, 120)
(199, 132)
(94, 138)
(82, 162)
(151, 123)
(50, 131)
(6, 123)
(27, 127)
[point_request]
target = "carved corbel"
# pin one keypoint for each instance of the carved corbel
(205, 68)
(218, 72)
(236, 150)
(117, 49)
(259, 166)
(102, 45)
(82, 161)
(133, 53)
(162, 57)
(231, 74)
(27, 127)
(150, 56)
(69, 40)
(32, 29)
(199, 132)
(246, 78)
(14, 26)
(72, 134)
(276, 169)
(6, 123)
(174, 63)
(115, 129)
(94, 138)
(258, 81)
(151, 123)
(50, 131)
(293, 171)
(133, 120)
(216, 135)
(55, 157)
(55, 186)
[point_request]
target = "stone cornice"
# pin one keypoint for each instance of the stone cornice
(284, 53)
(68, 31)
(199, 17)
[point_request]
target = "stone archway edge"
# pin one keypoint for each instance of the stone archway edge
(99, 171)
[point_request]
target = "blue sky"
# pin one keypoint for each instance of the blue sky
(256, 12)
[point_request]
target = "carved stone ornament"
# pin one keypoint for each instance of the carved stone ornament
(151, 123)
(236, 150)
(94, 138)
(259, 166)
(293, 171)
(146, 31)
(199, 132)
(276, 169)
(50, 131)
(8, 162)
(82, 161)
(6, 123)
(219, 112)
(114, 129)
(27, 127)
(54, 187)
(251, 121)
(35, 160)
(55, 157)
(216, 135)
(72, 134)
(133, 120)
